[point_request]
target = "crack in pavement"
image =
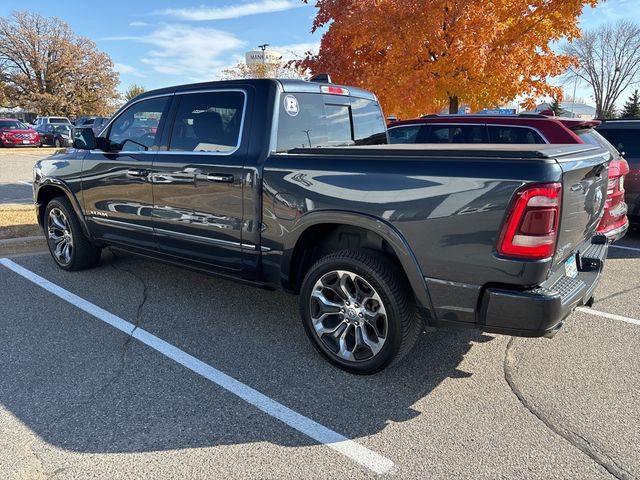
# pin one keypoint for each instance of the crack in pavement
(575, 439)
(115, 377)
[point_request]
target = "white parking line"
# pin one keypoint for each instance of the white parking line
(625, 248)
(611, 316)
(356, 452)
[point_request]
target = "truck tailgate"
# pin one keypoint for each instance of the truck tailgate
(584, 187)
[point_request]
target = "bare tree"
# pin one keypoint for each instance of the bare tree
(262, 70)
(608, 60)
(48, 69)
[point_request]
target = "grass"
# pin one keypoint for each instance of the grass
(18, 221)
(44, 151)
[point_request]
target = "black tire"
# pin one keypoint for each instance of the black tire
(82, 254)
(57, 143)
(377, 274)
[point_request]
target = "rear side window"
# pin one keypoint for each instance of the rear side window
(507, 134)
(309, 120)
(590, 136)
(408, 134)
(208, 122)
(457, 134)
(627, 141)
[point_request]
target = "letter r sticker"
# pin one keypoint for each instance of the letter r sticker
(291, 105)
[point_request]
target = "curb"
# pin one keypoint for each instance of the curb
(22, 245)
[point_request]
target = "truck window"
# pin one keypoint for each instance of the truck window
(305, 121)
(135, 129)
(208, 122)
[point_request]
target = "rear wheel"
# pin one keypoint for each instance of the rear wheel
(68, 245)
(357, 312)
(57, 143)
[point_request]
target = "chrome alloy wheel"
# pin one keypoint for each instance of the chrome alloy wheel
(59, 236)
(348, 316)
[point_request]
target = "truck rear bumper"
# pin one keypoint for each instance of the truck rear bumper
(541, 311)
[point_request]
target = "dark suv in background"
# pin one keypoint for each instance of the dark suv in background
(524, 129)
(625, 136)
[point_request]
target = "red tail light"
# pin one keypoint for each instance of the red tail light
(531, 228)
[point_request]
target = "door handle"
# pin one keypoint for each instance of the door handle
(220, 177)
(137, 172)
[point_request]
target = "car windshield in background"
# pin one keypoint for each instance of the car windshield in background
(66, 129)
(12, 125)
(627, 141)
(58, 120)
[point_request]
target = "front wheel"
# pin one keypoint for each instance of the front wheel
(68, 245)
(57, 143)
(357, 311)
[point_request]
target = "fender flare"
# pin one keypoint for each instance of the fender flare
(64, 187)
(376, 225)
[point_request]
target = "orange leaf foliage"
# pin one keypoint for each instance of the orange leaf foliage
(417, 55)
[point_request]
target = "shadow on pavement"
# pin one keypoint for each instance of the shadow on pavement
(83, 386)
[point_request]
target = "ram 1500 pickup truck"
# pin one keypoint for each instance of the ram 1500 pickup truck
(287, 184)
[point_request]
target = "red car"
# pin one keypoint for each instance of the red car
(14, 133)
(524, 128)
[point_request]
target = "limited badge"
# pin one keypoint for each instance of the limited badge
(291, 105)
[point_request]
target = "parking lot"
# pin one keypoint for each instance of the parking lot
(137, 369)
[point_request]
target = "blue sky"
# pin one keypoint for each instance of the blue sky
(166, 42)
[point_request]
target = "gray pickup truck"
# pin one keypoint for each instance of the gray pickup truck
(287, 184)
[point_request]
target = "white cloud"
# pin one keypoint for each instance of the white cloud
(203, 13)
(139, 24)
(196, 54)
(125, 69)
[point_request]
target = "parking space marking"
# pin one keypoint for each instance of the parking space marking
(611, 316)
(625, 248)
(349, 448)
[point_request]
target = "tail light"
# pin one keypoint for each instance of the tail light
(531, 228)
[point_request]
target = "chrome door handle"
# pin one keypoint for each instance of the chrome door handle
(220, 177)
(135, 172)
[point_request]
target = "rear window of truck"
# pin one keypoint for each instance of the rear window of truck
(310, 120)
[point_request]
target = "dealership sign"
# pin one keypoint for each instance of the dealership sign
(258, 56)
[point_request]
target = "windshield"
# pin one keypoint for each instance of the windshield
(13, 125)
(62, 128)
(59, 120)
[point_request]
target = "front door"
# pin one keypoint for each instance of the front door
(198, 182)
(116, 183)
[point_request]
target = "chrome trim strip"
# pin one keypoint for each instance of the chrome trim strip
(118, 223)
(197, 238)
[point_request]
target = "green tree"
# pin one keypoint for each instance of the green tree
(631, 108)
(133, 91)
(45, 67)
(556, 108)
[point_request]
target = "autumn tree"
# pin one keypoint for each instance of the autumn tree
(631, 108)
(262, 70)
(419, 55)
(608, 60)
(133, 91)
(48, 69)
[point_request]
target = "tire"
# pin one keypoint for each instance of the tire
(62, 228)
(57, 143)
(357, 293)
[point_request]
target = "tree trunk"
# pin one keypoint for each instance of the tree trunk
(453, 104)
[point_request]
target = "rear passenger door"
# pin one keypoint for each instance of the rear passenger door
(198, 181)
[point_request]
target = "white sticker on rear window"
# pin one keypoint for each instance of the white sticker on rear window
(291, 105)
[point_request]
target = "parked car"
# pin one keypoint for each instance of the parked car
(525, 129)
(98, 124)
(56, 134)
(45, 120)
(276, 183)
(14, 133)
(625, 136)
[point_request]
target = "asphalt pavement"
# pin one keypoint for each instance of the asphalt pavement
(16, 173)
(81, 399)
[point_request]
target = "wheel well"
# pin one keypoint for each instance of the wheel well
(321, 240)
(45, 195)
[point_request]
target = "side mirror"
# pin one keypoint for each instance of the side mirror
(84, 139)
